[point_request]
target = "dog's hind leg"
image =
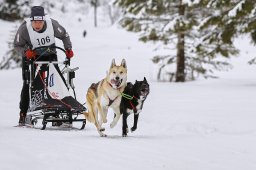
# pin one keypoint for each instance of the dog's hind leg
(116, 118)
(92, 116)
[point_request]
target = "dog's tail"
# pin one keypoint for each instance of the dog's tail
(90, 115)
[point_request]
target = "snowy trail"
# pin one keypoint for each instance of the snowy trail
(209, 132)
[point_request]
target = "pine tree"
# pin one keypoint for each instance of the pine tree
(187, 26)
(243, 17)
(239, 19)
(95, 4)
(12, 10)
(11, 59)
(9, 10)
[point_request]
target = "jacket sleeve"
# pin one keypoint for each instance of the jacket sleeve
(21, 40)
(61, 33)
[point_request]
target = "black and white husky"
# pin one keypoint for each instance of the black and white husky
(132, 102)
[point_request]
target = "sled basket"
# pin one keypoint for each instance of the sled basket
(52, 96)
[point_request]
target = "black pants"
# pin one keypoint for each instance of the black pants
(24, 96)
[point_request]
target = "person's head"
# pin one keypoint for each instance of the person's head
(37, 18)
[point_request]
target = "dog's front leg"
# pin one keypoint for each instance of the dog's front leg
(99, 128)
(103, 113)
(116, 118)
(125, 126)
(136, 116)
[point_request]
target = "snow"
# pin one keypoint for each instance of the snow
(238, 7)
(205, 124)
(190, 2)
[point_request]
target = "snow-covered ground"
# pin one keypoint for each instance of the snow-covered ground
(200, 125)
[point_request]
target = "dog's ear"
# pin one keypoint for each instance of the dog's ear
(123, 63)
(113, 63)
(145, 79)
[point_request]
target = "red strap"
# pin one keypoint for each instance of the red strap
(43, 74)
(135, 97)
(133, 108)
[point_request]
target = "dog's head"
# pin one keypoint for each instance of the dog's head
(117, 74)
(141, 89)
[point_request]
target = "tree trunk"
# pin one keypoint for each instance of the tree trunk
(95, 13)
(180, 71)
(110, 14)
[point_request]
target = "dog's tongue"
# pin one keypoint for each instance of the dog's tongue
(115, 82)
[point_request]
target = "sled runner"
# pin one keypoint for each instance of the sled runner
(52, 95)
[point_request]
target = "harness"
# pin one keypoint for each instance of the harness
(94, 87)
(130, 98)
(112, 101)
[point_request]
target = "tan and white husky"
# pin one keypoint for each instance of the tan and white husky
(106, 94)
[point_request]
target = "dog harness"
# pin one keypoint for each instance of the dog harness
(111, 101)
(133, 107)
(130, 98)
(94, 87)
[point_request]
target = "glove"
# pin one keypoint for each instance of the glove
(30, 54)
(69, 53)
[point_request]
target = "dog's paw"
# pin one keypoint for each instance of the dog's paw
(133, 129)
(103, 135)
(125, 131)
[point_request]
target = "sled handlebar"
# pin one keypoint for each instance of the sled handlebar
(48, 62)
(49, 49)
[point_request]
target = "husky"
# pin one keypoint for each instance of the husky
(106, 94)
(132, 102)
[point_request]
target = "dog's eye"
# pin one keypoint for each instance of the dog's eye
(114, 72)
(121, 72)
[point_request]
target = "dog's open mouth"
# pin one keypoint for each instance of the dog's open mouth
(117, 83)
(144, 92)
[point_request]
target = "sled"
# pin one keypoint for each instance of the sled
(52, 96)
